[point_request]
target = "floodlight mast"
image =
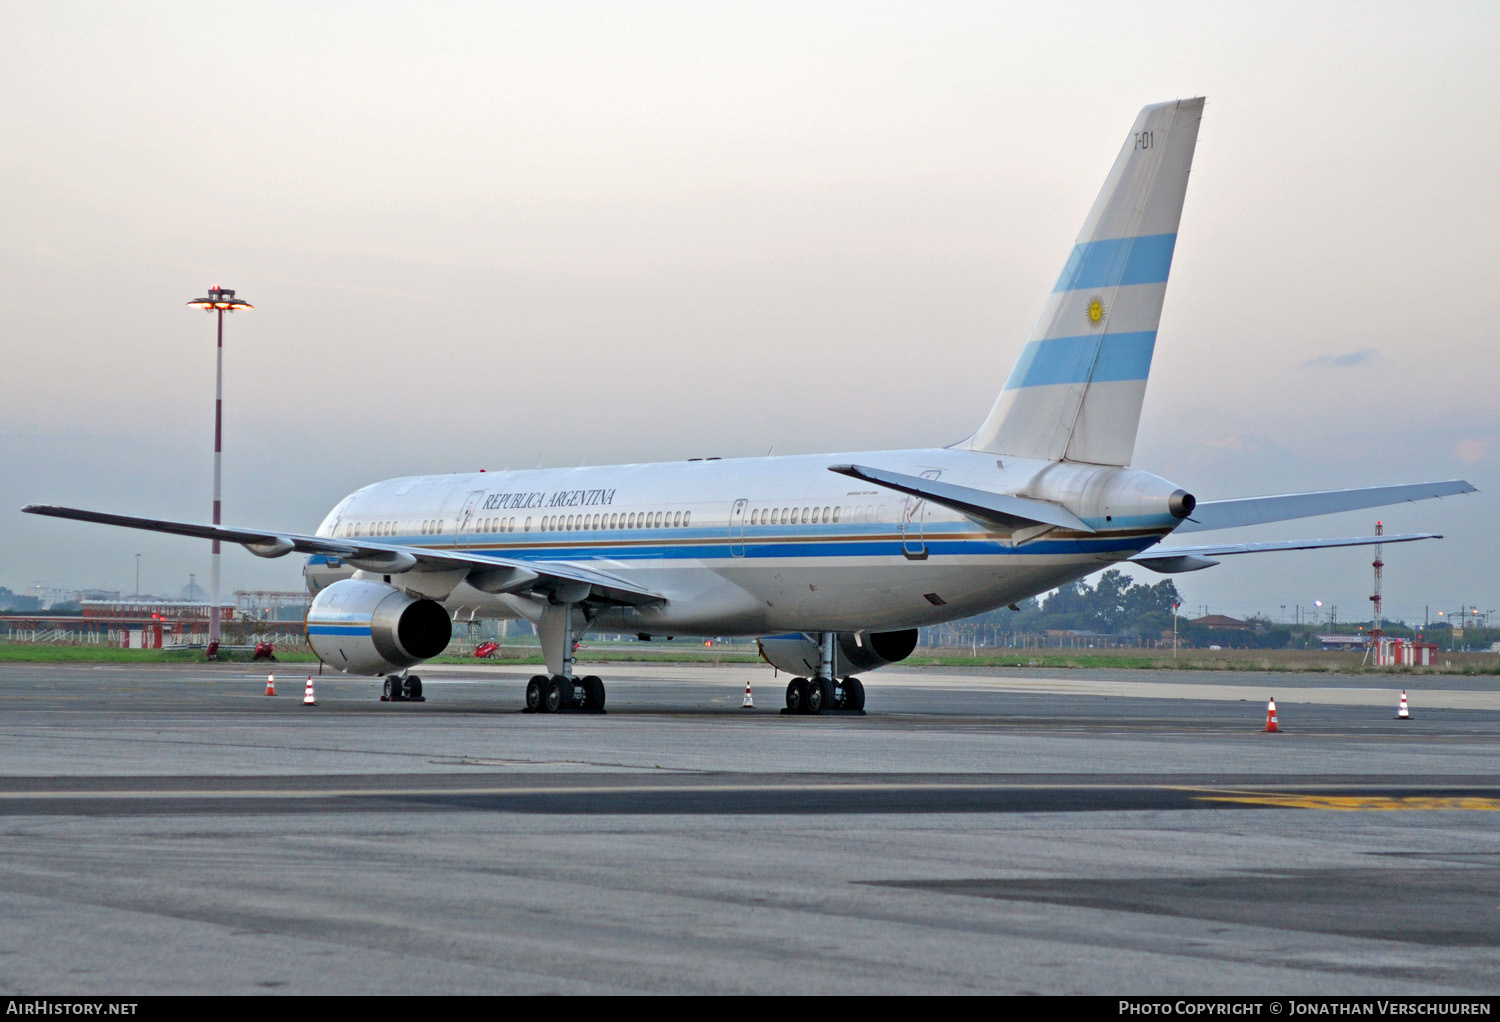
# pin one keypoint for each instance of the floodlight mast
(220, 300)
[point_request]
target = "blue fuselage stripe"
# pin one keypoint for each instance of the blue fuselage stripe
(1100, 358)
(773, 543)
(313, 629)
(1118, 261)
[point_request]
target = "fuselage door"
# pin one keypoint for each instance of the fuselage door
(913, 514)
(737, 527)
(466, 518)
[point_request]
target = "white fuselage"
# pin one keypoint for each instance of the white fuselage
(758, 546)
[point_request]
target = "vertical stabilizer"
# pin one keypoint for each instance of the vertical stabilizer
(1076, 391)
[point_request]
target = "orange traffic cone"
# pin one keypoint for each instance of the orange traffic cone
(1403, 713)
(749, 703)
(308, 699)
(1271, 716)
(270, 684)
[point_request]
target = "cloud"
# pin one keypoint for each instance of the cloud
(1353, 358)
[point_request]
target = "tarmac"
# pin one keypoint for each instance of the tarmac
(170, 829)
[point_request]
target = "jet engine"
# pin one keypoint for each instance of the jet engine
(365, 627)
(797, 654)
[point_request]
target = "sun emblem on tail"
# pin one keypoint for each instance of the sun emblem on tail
(1096, 311)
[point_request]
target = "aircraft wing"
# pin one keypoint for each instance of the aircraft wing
(1173, 559)
(981, 505)
(491, 574)
(1230, 514)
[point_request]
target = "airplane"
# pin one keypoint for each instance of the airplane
(832, 561)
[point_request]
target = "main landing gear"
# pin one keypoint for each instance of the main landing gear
(560, 694)
(824, 693)
(559, 691)
(819, 695)
(402, 689)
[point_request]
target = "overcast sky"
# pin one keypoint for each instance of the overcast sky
(499, 235)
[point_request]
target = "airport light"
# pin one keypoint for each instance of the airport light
(220, 300)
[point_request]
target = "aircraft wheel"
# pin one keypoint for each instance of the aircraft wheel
(854, 694)
(536, 694)
(391, 692)
(819, 696)
(412, 689)
(559, 694)
(593, 693)
(796, 695)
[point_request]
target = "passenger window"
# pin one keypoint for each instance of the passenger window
(827, 515)
(687, 519)
(775, 518)
(836, 512)
(755, 517)
(659, 516)
(677, 520)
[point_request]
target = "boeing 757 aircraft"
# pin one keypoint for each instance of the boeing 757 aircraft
(833, 560)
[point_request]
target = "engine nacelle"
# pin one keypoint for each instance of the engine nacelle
(854, 651)
(365, 627)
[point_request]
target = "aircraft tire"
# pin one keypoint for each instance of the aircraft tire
(593, 693)
(391, 691)
(412, 689)
(796, 695)
(559, 695)
(819, 696)
(536, 693)
(854, 694)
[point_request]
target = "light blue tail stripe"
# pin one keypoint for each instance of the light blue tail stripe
(1069, 359)
(1117, 261)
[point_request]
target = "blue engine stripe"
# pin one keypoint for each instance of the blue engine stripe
(1070, 359)
(313, 629)
(1117, 261)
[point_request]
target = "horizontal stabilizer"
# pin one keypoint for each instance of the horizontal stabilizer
(385, 558)
(981, 505)
(1231, 514)
(1171, 560)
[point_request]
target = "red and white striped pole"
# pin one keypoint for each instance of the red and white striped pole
(221, 300)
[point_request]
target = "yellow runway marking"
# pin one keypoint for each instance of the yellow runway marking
(1357, 802)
